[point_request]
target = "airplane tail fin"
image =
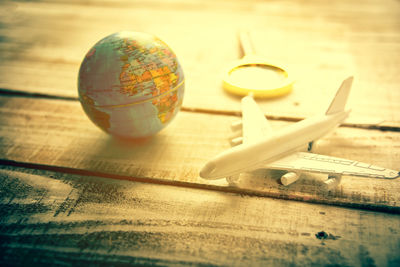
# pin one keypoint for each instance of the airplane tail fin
(339, 101)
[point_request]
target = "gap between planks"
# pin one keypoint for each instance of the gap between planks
(50, 215)
(48, 133)
(382, 127)
(228, 189)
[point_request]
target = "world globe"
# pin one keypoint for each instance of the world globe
(131, 84)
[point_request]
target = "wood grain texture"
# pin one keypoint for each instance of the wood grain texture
(57, 133)
(54, 218)
(72, 195)
(42, 44)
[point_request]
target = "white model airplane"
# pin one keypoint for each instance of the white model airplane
(262, 148)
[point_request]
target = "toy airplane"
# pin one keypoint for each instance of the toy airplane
(262, 148)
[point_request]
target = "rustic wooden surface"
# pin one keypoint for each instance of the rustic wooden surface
(56, 133)
(54, 218)
(72, 195)
(321, 43)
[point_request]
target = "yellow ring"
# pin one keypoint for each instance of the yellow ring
(285, 88)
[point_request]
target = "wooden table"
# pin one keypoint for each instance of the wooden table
(72, 195)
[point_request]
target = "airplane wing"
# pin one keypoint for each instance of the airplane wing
(310, 162)
(255, 125)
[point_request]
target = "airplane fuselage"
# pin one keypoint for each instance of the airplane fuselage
(247, 157)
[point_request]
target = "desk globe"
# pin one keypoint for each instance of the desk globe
(130, 84)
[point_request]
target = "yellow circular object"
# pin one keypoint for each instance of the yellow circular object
(252, 75)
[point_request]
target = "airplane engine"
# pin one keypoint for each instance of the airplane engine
(236, 125)
(233, 180)
(236, 141)
(289, 178)
(236, 137)
(333, 181)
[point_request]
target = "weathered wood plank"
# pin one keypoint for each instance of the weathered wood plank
(54, 218)
(57, 133)
(43, 42)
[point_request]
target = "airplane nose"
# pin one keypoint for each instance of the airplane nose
(207, 170)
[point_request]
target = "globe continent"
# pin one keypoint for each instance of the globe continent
(131, 84)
